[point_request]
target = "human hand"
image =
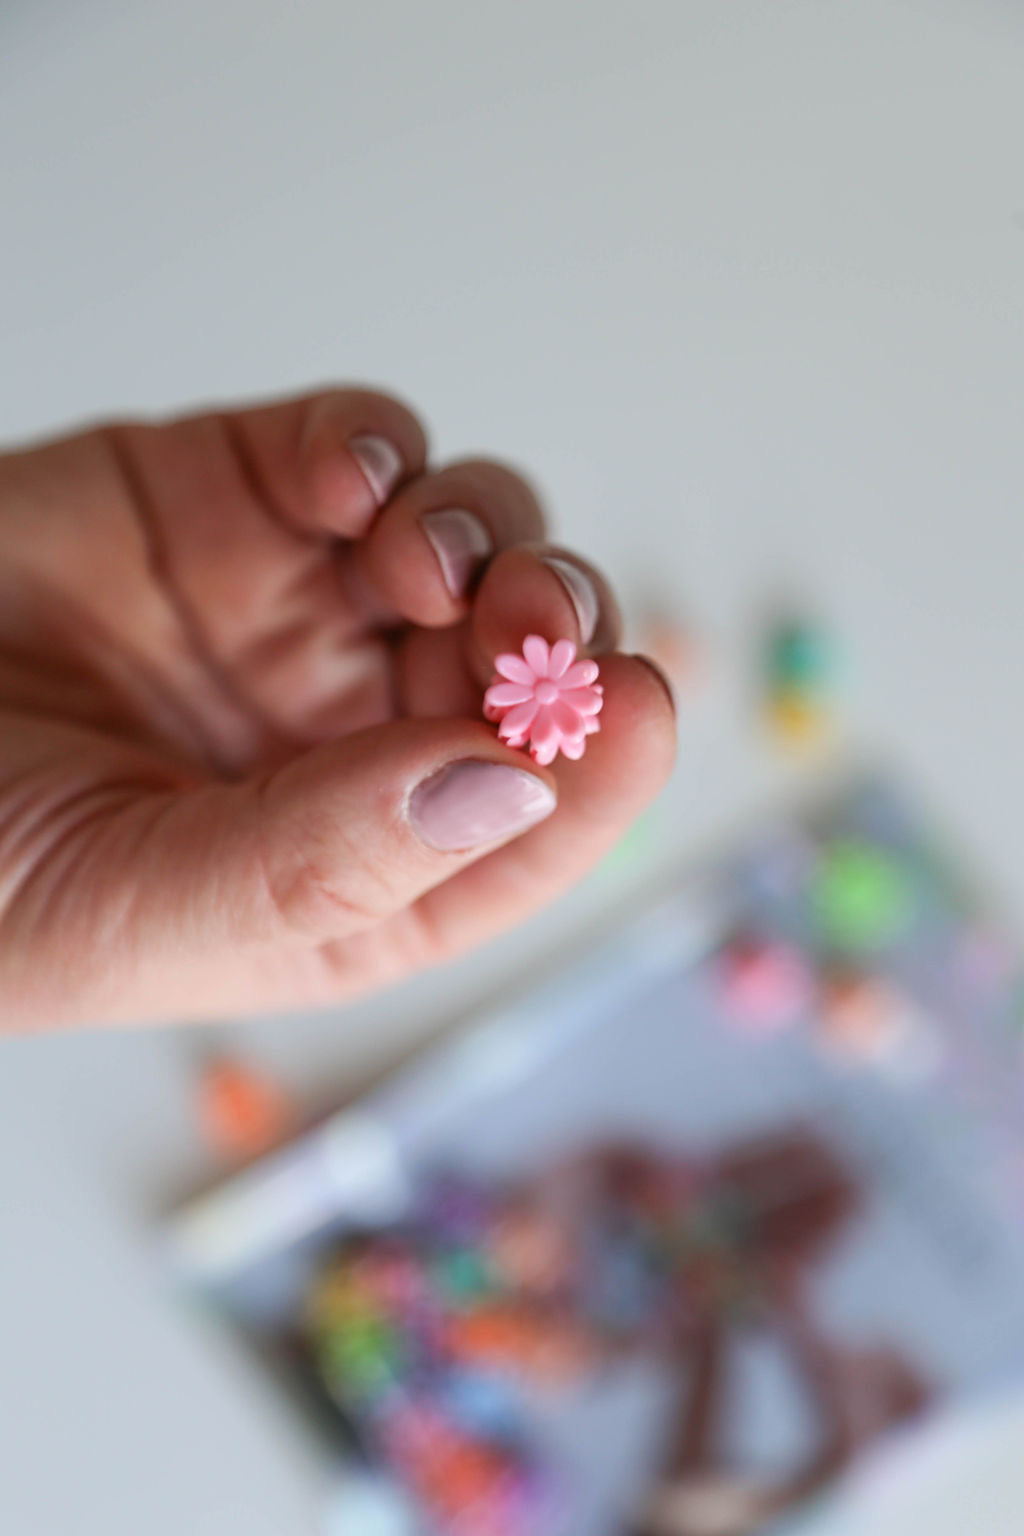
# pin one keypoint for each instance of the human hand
(242, 763)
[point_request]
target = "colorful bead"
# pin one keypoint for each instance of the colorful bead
(765, 984)
(797, 678)
(862, 900)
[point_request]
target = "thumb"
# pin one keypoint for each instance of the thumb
(348, 834)
(153, 898)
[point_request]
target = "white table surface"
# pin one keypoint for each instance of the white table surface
(743, 286)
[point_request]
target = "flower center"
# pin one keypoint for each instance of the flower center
(545, 692)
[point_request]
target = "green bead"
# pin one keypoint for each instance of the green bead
(798, 657)
(463, 1273)
(862, 899)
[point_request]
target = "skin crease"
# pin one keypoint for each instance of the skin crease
(224, 668)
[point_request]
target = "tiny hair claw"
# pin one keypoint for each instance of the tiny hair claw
(545, 697)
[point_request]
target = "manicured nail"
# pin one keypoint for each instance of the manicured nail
(461, 543)
(470, 803)
(581, 594)
(380, 462)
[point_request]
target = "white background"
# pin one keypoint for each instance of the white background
(741, 284)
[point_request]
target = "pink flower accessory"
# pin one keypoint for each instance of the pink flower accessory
(546, 697)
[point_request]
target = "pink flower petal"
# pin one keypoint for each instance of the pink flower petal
(514, 668)
(579, 676)
(574, 749)
(544, 755)
(504, 695)
(544, 730)
(568, 720)
(591, 725)
(587, 700)
(563, 654)
(538, 655)
(519, 720)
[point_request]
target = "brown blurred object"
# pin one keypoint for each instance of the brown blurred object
(789, 1198)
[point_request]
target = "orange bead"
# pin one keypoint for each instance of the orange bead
(241, 1111)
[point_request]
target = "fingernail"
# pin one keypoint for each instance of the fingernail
(652, 666)
(461, 543)
(470, 803)
(380, 462)
(582, 594)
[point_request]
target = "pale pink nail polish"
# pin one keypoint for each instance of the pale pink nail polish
(380, 462)
(582, 594)
(461, 543)
(470, 803)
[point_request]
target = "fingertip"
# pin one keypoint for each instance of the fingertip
(661, 678)
(581, 588)
(632, 755)
(544, 590)
(426, 553)
(476, 802)
(637, 697)
(326, 462)
(462, 544)
(349, 478)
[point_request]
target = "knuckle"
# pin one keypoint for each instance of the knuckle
(492, 481)
(308, 903)
(374, 410)
(502, 498)
(318, 892)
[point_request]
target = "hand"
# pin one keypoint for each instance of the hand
(242, 763)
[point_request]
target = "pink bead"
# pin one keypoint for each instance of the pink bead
(765, 984)
(545, 697)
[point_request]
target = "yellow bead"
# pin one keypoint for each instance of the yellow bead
(796, 719)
